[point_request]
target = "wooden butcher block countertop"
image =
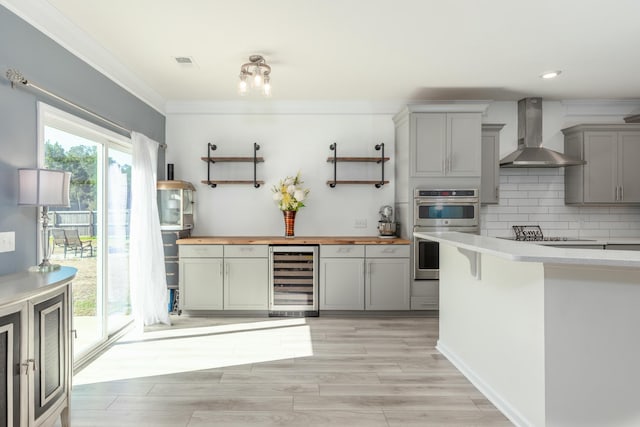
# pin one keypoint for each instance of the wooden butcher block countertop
(298, 240)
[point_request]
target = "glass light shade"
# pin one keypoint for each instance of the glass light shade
(43, 187)
(242, 87)
(266, 89)
(257, 77)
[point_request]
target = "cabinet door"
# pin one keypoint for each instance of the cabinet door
(463, 157)
(49, 353)
(428, 140)
(629, 166)
(600, 172)
(387, 285)
(342, 283)
(246, 284)
(201, 283)
(12, 355)
(490, 168)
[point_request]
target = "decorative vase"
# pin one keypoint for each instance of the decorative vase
(289, 223)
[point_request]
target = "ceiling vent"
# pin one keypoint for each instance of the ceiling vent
(185, 61)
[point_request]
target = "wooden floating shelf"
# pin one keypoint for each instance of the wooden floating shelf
(356, 159)
(243, 181)
(211, 160)
(232, 159)
(356, 182)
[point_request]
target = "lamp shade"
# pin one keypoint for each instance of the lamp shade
(43, 187)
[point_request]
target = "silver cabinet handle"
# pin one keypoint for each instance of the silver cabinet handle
(621, 192)
(497, 188)
(617, 192)
(226, 269)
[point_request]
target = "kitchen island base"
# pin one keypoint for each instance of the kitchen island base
(550, 344)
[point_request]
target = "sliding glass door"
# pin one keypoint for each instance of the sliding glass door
(91, 235)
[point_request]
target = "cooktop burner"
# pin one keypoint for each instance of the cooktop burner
(534, 233)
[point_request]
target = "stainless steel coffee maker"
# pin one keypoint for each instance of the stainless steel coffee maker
(386, 226)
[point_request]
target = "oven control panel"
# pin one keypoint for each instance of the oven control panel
(446, 193)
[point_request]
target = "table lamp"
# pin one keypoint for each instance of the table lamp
(45, 188)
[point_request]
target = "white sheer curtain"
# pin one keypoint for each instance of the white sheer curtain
(149, 294)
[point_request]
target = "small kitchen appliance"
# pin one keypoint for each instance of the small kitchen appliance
(386, 226)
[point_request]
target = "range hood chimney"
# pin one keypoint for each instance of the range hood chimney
(530, 153)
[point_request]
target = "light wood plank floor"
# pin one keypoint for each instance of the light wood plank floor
(322, 371)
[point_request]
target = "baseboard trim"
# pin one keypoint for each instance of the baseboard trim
(493, 396)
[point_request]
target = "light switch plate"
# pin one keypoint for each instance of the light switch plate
(8, 241)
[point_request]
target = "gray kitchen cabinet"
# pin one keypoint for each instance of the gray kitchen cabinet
(342, 277)
(387, 281)
(611, 174)
(490, 179)
(622, 247)
(445, 144)
(246, 269)
(224, 277)
(576, 246)
(201, 277)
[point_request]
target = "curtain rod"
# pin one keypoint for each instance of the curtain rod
(16, 78)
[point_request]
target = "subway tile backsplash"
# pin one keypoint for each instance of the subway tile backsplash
(536, 196)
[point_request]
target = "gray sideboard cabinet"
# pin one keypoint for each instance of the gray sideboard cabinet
(35, 348)
(611, 174)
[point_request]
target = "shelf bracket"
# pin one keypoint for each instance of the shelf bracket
(256, 147)
(210, 147)
(380, 147)
(474, 262)
(334, 147)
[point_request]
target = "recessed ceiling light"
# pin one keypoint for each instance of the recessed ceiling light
(183, 60)
(550, 74)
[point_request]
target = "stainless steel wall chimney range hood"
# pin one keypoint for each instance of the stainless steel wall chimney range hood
(530, 153)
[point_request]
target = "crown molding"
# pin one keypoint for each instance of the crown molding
(266, 106)
(48, 20)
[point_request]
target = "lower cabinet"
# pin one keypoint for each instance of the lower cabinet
(387, 283)
(35, 360)
(246, 273)
(201, 283)
(352, 277)
(342, 277)
(364, 277)
(224, 277)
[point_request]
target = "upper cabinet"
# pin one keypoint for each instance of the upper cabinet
(490, 181)
(445, 144)
(611, 174)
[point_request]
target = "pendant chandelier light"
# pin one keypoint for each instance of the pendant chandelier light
(255, 75)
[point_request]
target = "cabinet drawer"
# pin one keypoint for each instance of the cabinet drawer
(424, 303)
(201, 251)
(342, 251)
(387, 251)
(246, 251)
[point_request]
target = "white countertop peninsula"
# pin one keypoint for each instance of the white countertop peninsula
(549, 335)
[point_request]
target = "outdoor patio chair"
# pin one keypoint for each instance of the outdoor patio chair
(74, 242)
(59, 240)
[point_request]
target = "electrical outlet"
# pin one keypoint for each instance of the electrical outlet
(8, 241)
(360, 223)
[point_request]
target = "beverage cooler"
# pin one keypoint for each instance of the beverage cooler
(293, 284)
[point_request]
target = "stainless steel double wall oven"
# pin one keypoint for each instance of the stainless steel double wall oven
(441, 210)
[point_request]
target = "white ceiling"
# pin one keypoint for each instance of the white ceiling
(355, 50)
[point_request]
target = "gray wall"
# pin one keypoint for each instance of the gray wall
(49, 65)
